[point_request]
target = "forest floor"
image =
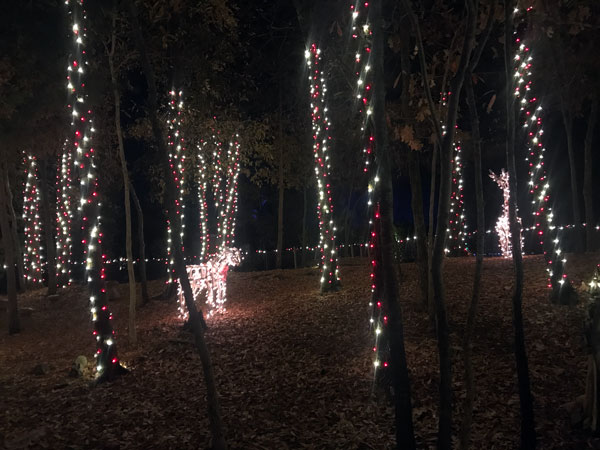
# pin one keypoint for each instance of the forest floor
(294, 368)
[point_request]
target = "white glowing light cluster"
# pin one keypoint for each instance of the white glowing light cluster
(210, 277)
(594, 284)
(88, 206)
(503, 223)
(531, 120)
(226, 169)
(320, 126)
(176, 145)
(457, 231)
(32, 251)
(202, 190)
(64, 216)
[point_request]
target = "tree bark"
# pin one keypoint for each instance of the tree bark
(14, 323)
(568, 122)
(416, 191)
(48, 225)
(17, 243)
(528, 437)
(467, 417)
(588, 180)
(125, 174)
(141, 244)
(195, 317)
(304, 227)
(405, 437)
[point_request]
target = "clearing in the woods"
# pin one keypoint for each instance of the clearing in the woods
(294, 368)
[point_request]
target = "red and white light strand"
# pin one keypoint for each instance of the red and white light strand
(457, 231)
(89, 206)
(64, 216)
(531, 120)
(32, 251)
(362, 35)
(176, 146)
(320, 128)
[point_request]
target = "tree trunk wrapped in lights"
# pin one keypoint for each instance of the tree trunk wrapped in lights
(530, 115)
(32, 250)
(175, 142)
(64, 215)
(457, 225)
(330, 279)
(88, 207)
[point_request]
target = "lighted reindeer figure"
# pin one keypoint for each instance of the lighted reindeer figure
(210, 277)
(503, 224)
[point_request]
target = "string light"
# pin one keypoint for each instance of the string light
(89, 205)
(320, 127)
(176, 145)
(64, 216)
(362, 35)
(530, 116)
(210, 277)
(32, 251)
(202, 170)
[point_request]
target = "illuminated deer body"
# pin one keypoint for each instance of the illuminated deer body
(210, 277)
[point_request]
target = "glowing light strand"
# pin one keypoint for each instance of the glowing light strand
(64, 216)
(320, 127)
(362, 35)
(32, 250)
(89, 206)
(530, 116)
(457, 231)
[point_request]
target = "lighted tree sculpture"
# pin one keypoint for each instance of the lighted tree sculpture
(457, 230)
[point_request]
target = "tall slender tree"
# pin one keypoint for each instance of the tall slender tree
(405, 438)
(528, 436)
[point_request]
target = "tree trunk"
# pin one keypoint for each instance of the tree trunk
(568, 122)
(195, 316)
(414, 172)
(430, 232)
(588, 181)
(48, 226)
(304, 227)
(14, 323)
(528, 437)
(280, 188)
(437, 258)
(17, 243)
(141, 244)
(405, 437)
(125, 174)
(467, 418)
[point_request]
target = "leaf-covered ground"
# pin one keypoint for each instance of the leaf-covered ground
(294, 368)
